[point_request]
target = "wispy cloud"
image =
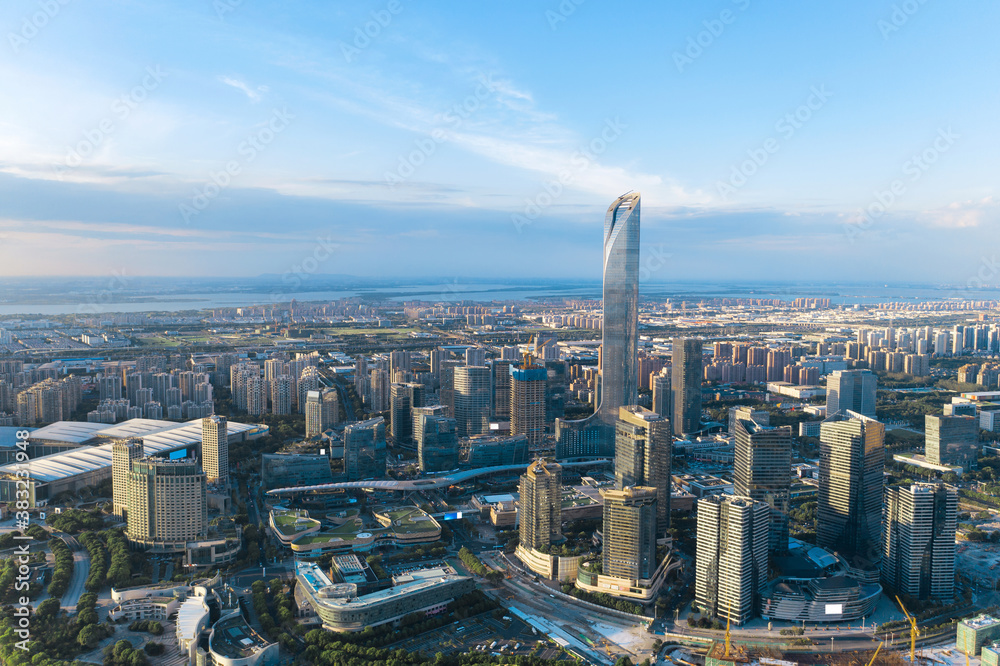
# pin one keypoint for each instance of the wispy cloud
(255, 94)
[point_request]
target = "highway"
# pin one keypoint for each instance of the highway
(81, 569)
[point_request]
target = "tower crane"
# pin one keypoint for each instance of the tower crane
(913, 631)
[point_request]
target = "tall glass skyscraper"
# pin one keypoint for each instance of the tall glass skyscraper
(619, 386)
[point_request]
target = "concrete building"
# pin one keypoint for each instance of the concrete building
(852, 390)
(123, 453)
(662, 396)
(758, 416)
(527, 401)
(426, 410)
(215, 449)
(951, 440)
(322, 411)
(849, 515)
(731, 560)
(973, 633)
(686, 385)
(918, 540)
(630, 521)
(762, 472)
(541, 505)
(167, 504)
(643, 455)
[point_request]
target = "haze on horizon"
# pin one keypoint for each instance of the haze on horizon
(236, 138)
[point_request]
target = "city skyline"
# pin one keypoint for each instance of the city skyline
(435, 132)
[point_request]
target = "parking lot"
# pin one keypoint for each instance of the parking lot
(469, 634)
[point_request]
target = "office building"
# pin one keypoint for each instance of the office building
(951, 440)
(501, 387)
(541, 505)
(642, 457)
(215, 449)
(123, 453)
(663, 403)
(731, 562)
(849, 512)
(167, 504)
(527, 401)
(490, 450)
(426, 410)
(762, 471)
(759, 416)
(918, 540)
(852, 390)
(322, 411)
(619, 383)
(437, 446)
(630, 520)
(364, 450)
(472, 399)
(403, 397)
(475, 356)
(686, 385)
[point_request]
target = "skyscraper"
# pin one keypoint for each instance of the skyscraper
(215, 449)
(322, 411)
(686, 383)
(630, 533)
(951, 440)
(541, 505)
(364, 450)
(501, 387)
(437, 446)
(849, 512)
(852, 390)
(619, 384)
(762, 472)
(123, 453)
(731, 561)
(642, 457)
(527, 401)
(662, 396)
(167, 504)
(472, 400)
(918, 540)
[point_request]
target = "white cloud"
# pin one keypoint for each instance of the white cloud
(255, 94)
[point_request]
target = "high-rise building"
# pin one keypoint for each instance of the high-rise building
(541, 505)
(852, 390)
(642, 457)
(322, 411)
(918, 540)
(761, 416)
(662, 395)
(437, 446)
(167, 504)
(364, 450)
(851, 464)
(282, 388)
(123, 453)
(501, 387)
(403, 397)
(472, 400)
(475, 356)
(686, 384)
(630, 533)
(527, 401)
(619, 383)
(215, 449)
(731, 561)
(762, 472)
(951, 440)
(426, 410)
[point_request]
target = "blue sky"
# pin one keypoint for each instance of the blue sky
(854, 140)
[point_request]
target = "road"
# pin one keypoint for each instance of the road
(81, 569)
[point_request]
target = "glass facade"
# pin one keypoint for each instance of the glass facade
(619, 385)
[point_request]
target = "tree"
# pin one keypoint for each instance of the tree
(89, 636)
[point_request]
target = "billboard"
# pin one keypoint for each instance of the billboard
(834, 609)
(453, 516)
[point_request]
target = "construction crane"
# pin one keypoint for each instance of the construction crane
(913, 630)
(877, 651)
